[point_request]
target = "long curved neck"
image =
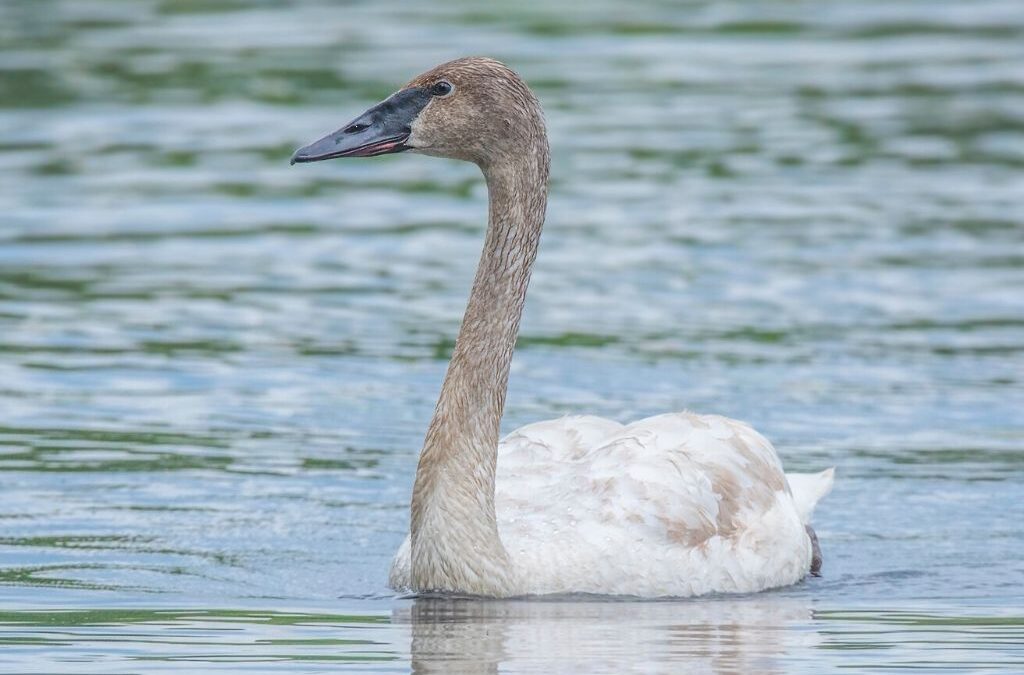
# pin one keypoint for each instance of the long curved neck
(454, 534)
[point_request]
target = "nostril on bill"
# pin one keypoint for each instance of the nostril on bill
(353, 128)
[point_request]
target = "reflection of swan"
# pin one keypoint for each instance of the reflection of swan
(679, 504)
(724, 634)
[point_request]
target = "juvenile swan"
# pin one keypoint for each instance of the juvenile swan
(675, 505)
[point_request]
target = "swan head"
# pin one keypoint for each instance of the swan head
(474, 109)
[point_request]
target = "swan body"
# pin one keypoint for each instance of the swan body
(673, 505)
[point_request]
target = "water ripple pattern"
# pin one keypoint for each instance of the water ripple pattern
(216, 369)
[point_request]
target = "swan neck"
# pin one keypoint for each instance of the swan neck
(454, 535)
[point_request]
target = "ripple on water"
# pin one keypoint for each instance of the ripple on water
(216, 369)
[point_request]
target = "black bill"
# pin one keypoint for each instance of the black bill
(381, 130)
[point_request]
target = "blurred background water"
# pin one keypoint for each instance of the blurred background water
(216, 369)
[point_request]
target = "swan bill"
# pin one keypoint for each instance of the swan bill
(381, 130)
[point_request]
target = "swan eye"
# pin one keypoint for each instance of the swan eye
(442, 88)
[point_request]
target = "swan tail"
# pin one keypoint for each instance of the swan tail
(808, 489)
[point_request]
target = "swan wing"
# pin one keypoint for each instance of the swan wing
(677, 504)
(566, 439)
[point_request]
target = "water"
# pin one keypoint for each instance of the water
(216, 369)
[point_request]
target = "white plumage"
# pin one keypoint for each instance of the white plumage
(674, 505)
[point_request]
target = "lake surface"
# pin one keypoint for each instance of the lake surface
(216, 369)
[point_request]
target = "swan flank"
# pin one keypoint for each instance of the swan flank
(674, 505)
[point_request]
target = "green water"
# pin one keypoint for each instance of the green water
(216, 369)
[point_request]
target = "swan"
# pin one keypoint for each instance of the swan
(679, 504)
